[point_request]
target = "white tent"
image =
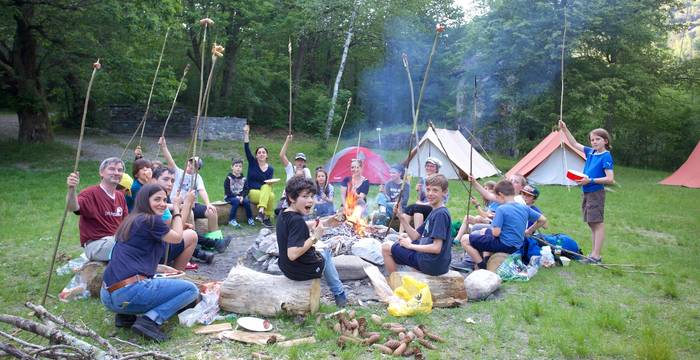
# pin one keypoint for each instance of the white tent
(457, 148)
(545, 163)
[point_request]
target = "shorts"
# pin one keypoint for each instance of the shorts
(403, 256)
(419, 208)
(175, 251)
(593, 206)
(489, 243)
(100, 249)
(199, 211)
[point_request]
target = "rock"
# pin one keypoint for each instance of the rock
(350, 267)
(369, 249)
(273, 266)
(481, 283)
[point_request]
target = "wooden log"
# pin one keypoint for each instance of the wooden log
(201, 226)
(495, 260)
(251, 337)
(92, 275)
(246, 291)
(294, 342)
(447, 290)
(214, 328)
(223, 209)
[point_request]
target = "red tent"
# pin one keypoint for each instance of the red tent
(545, 163)
(688, 174)
(375, 169)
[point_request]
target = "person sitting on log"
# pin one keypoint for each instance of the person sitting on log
(184, 182)
(298, 258)
(388, 197)
(179, 254)
(236, 192)
(142, 172)
(101, 209)
(299, 161)
(421, 209)
(324, 194)
(428, 248)
(259, 170)
(508, 228)
(129, 287)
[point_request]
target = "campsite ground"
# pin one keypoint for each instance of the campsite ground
(574, 312)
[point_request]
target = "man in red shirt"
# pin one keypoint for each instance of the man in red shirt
(101, 209)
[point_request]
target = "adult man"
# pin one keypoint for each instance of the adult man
(101, 209)
(184, 181)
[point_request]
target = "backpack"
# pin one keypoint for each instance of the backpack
(559, 243)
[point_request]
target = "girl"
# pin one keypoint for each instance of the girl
(324, 194)
(357, 184)
(129, 287)
(598, 171)
(259, 170)
(142, 172)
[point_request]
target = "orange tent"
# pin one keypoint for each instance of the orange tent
(544, 164)
(688, 174)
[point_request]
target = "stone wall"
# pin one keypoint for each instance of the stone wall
(123, 119)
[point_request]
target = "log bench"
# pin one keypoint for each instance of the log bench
(447, 289)
(246, 291)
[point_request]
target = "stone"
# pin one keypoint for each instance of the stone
(369, 249)
(481, 283)
(350, 267)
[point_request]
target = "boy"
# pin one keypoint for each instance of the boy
(236, 191)
(508, 228)
(388, 196)
(298, 259)
(428, 247)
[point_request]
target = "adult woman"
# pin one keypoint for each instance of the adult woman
(129, 287)
(354, 188)
(259, 170)
(324, 194)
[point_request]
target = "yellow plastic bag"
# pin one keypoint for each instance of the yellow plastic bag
(414, 298)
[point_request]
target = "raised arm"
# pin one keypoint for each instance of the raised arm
(166, 153)
(567, 133)
(541, 222)
(283, 151)
(485, 193)
(72, 197)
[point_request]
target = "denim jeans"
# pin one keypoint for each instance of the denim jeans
(234, 207)
(157, 299)
(331, 274)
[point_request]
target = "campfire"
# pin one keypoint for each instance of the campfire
(353, 215)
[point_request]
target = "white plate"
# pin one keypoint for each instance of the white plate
(254, 324)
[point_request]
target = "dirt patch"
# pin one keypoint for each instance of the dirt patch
(657, 236)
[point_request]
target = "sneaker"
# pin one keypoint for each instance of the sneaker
(234, 223)
(204, 256)
(267, 222)
(261, 216)
(124, 320)
(148, 328)
(222, 244)
(591, 260)
(251, 222)
(341, 300)
(464, 265)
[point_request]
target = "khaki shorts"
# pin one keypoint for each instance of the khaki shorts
(593, 206)
(100, 249)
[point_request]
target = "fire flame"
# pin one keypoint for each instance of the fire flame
(353, 213)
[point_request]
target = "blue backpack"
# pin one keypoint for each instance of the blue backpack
(561, 241)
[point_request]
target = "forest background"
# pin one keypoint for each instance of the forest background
(630, 66)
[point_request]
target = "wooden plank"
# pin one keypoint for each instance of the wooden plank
(215, 328)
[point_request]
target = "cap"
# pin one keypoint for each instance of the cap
(434, 161)
(300, 156)
(531, 190)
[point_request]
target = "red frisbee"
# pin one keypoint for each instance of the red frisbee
(575, 175)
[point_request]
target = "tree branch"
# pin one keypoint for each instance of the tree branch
(19, 341)
(15, 351)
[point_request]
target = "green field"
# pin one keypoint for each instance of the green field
(574, 312)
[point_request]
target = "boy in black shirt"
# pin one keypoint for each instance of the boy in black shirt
(428, 247)
(298, 259)
(236, 191)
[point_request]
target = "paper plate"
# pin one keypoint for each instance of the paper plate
(254, 324)
(272, 181)
(575, 175)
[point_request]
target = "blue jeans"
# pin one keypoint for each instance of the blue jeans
(233, 200)
(157, 299)
(331, 274)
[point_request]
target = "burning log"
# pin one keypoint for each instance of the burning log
(447, 290)
(246, 291)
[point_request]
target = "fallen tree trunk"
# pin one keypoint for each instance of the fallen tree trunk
(246, 291)
(447, 289)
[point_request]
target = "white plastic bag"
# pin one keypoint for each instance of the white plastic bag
(205, 311)
(73, 265)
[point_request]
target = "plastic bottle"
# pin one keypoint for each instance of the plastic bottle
(547, 259)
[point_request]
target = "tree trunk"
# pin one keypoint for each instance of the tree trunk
(233, 43)
(331, 112)
(32, 109)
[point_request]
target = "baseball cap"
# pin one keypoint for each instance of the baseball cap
(531, 190)
(300, 156)
(434, 161)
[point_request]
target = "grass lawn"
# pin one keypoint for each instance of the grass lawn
(574, 312)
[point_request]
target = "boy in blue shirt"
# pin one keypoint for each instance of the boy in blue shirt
(428, 248)
(508, 228)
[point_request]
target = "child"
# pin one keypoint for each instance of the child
(427, 248)
(598, 171)
(142, 172)
(298, 259)
(389, 194)
(324, 194)
(508, 228)
(236, 191)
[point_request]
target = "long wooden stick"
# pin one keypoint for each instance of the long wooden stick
(153, 84)
(471, 149)
(404, 58)
(289, 50)
(96, 66)
(172, 107)
(337, 141)
(561, 100)
(444, 150)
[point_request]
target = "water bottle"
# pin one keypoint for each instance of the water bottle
(547, 259)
